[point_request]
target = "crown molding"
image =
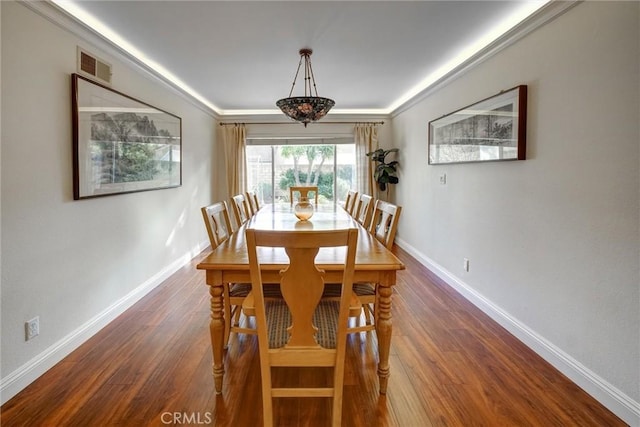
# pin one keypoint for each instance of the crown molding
(61, 18)
(276, 117)
(68, 22)
(542, 16)
(333, 112)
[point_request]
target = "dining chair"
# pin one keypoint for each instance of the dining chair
(384, 223)
(304, 192)
(218, 224)
(364, 210)
(241, 210)
(302, 329)
(252, 201)
(350, 203)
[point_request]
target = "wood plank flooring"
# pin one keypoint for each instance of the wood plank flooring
(450, 366)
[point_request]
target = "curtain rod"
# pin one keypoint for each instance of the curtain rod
(296, 123)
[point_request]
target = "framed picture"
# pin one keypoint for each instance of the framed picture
(494, 129)
(120, 144)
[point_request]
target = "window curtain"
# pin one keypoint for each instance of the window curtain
(234, 138)
(366, 139)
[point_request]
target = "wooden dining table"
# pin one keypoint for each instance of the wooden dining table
(229, 263)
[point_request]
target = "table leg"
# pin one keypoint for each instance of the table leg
(383, 331)
(216, 329)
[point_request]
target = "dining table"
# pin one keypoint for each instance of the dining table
(229, 263)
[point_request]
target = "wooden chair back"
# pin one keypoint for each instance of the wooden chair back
(217, 222)
(305, 330)
(384, 222)
(241, 210)
(363, 210)
(350, 203)
(252, 201)
(304, 192)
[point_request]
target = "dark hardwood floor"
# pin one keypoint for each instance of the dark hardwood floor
(450, 366)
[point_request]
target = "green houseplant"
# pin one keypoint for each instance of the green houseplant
(384, 173)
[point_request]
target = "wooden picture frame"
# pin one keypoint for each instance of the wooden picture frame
(121, 144)
(494, 129)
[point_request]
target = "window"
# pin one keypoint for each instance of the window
(272, 169)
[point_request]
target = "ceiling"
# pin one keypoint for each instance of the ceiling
(241, 57)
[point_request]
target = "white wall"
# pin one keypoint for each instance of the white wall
(76, 264)
(553, 241)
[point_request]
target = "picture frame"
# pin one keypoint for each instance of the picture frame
(494, 129)
(121, 144)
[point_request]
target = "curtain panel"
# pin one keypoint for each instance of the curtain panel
(234, 139)
(366, 139)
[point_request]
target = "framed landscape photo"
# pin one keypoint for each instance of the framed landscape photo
(121, 144)
(493, 129)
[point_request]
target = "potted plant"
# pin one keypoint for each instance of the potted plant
(385, 173)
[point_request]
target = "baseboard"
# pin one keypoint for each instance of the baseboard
(19, 379)
(611, 397)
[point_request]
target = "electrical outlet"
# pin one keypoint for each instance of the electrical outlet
(465, 264)
(32, 328)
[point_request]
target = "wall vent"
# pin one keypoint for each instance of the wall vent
(93, 67)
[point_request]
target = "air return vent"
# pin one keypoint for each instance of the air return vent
(91, 66)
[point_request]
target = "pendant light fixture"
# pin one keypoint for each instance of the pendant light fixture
(308, 108)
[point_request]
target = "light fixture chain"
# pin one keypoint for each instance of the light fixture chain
(296, 77)
(307, 83)
(313, 79)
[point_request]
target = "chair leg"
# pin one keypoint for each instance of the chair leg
(227, 315)
(267, 399)
(336, 415)
(236, 318)
(367, 313)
